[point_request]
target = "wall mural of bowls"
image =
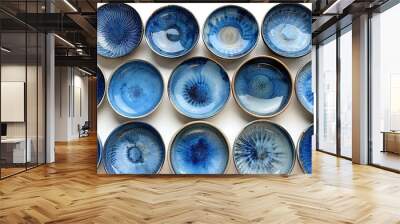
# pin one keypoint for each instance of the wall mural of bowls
(304, 150)
(135, 89)
(230, 32)
(199, 88)
(101, 86)
(264, 147)
(172, 31)
(262, 87)
(119, 30)
(134, 148)
(199, 148)
(303, 88)
(286, 30)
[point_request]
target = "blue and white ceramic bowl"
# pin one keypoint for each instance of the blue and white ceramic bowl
(199, 88)
(134, 148)
(135, 89)
(286, 30)
(303, 87)
(230, 32)
(264, 147)
(101, 86)
(119, 30)
(262, 87)
(99, 151)
(199, 148)
(172, 31)
(304, 150)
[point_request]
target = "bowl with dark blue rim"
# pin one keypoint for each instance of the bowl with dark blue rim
(119, 30)
(230, 32)
(135, 89)
(264, 147)
(172, 31)
(286, 30)
(262, 87)
(199, 88)
(100, 86)
(304, 150)
(199, 148)
(134, 148)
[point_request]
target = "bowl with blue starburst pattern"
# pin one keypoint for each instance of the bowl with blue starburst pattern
(101, 86)
(304, 150)
(172, 31)
(230, 32)
(135, 89)
(119, 30)
(264, 147)
(303, 88)
(199, 148)
(286, 30)
(199, 88)
(262, 87)
(134, 148)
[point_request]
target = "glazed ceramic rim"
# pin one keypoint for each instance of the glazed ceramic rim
(298, 147)
(141, 31)
(239, 56)
(206, 123)
(129, 123)
(105, 87)
(99, 156)
(181, 112)
(280, 127)
(262, 30)
(155, 107)
(254, 114)
(295, 87)
(157, 11)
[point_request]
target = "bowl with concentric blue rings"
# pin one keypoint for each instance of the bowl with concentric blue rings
(263, 87)
(230, 32)
(286, 30)
(135, 89)
(303, 88)
(199, 88)
(199, 148)
(134, 148)
(172, 31)
(264, 147)
(304, 150)
(119, 30)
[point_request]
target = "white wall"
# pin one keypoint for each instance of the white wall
(68, 83)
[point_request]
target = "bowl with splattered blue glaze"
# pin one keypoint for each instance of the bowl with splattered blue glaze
(172, 31)
(264, 147)
(134, 148)
(303, 88)
(199, 88)
(199, 148)
(286, 30)
(135, 89)
(304, 150)
(119, 30)
(230, 32)
(262, 87)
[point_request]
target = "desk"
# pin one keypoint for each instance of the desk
(391, 141)
(16, 147)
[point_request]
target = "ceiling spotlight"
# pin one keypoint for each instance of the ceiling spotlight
(70, 5)
(5, 50)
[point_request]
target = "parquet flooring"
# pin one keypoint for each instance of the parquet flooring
(70, 191)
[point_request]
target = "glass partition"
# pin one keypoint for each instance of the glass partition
(326, 140)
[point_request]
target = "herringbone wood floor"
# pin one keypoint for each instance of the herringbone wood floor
(70, 191)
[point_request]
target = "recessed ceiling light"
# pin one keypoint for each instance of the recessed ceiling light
(70, 5)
